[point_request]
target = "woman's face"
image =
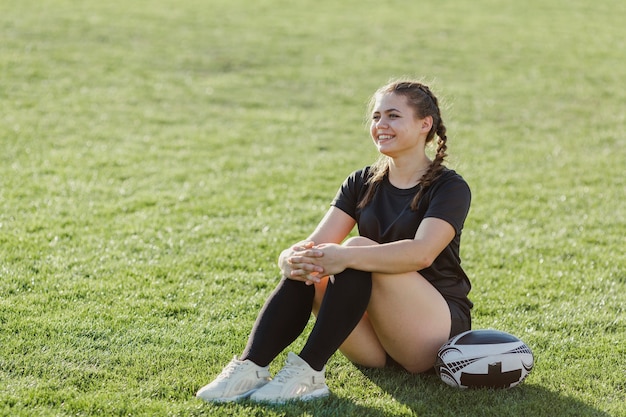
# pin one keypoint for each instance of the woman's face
(395, 129)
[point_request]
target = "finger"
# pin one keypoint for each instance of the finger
(312, 279)
(295, 259)
(311, 268)
(303, 246)
(305, 275)
(311, 252)
(306, 266)
(304, 257)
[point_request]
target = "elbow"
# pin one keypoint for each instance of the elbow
(424, 262)
(421, 256)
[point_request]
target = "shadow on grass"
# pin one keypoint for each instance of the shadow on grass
(426, 395)
(403, 394)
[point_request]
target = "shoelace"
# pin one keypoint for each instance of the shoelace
(285, 374)
(229, 370)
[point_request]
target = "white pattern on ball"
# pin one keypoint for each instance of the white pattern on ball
(484, 359)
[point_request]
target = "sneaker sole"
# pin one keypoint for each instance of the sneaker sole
(229, 399)
(319, 393)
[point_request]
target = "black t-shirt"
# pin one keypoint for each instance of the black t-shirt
(388, 217)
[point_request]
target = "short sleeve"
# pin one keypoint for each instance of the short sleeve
(450, 201)
(350, 193)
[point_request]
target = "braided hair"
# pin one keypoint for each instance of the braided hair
(424, 103)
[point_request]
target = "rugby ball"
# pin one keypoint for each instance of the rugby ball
(484, 359)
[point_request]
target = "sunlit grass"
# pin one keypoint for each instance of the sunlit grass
(157, 156)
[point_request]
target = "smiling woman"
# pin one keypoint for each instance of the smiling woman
(396, 131)
(417, 112)
(391, 296)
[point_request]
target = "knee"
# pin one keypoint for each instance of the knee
(359, 241)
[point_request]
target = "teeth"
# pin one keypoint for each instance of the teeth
(383, 137)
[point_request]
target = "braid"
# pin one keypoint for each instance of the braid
(436, 167)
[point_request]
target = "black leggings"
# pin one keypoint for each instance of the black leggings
(288, 309)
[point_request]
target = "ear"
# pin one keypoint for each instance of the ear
(427, 123)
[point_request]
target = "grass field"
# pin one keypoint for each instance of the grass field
(156, 156)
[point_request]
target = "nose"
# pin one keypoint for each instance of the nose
(381, 123)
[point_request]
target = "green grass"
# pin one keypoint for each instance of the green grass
(157, 156)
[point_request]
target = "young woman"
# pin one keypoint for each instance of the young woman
(392, 295)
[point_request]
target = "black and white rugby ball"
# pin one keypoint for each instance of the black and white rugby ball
(484, 359)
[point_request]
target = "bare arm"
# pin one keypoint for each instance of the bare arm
(333, 228)
(431, 238)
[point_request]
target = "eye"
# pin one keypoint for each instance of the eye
(376, 117)
(394, 116)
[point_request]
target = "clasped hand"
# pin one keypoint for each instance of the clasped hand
(310, 263)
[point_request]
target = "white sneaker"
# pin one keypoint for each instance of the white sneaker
(239, 379)
(296, 381)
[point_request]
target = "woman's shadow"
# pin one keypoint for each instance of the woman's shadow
(402, 394)
(426, 395)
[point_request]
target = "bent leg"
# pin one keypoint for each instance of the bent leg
(341, 309)
(282, 319)
(362, 345)
(406, 318)
(410, 318)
